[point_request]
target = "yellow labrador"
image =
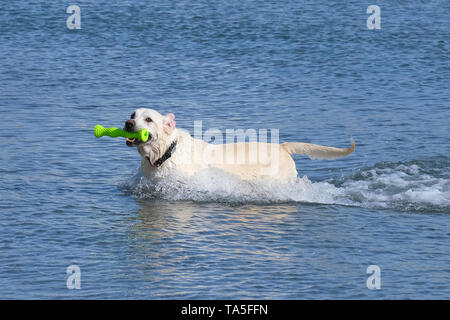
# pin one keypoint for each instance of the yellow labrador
(170, 149)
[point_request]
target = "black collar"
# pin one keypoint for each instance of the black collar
(166, 155)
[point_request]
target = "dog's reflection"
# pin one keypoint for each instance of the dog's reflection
(162, 219)
(174, 236)
(159, 218)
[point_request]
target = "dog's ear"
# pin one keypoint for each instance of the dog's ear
(169, 122)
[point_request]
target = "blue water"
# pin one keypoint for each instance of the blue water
(312, 69)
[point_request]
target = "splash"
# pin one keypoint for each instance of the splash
(410, 186)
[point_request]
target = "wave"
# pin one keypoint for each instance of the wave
(410, 186)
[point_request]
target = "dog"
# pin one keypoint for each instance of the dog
(173, 150)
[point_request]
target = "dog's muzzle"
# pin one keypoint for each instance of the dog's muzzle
(130, 127)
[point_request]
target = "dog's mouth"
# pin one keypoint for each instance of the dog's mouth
(132, 142)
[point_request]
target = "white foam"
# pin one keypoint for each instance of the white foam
(403, 187)
(215, 185)
(400, 187)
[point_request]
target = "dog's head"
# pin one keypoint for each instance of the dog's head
(160, 129)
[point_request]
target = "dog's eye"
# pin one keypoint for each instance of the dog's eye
(133, 115)
(148, 119)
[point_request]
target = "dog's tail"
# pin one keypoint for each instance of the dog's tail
(315, 151)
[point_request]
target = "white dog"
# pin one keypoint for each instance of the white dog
(170, 149)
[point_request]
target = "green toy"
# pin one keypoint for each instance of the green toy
(101, 131)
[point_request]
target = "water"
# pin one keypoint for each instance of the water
(313, 70)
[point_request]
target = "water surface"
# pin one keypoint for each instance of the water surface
(310, 69)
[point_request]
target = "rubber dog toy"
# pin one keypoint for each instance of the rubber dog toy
(101, 131)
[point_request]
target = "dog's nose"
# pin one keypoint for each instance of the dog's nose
(129, 124)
